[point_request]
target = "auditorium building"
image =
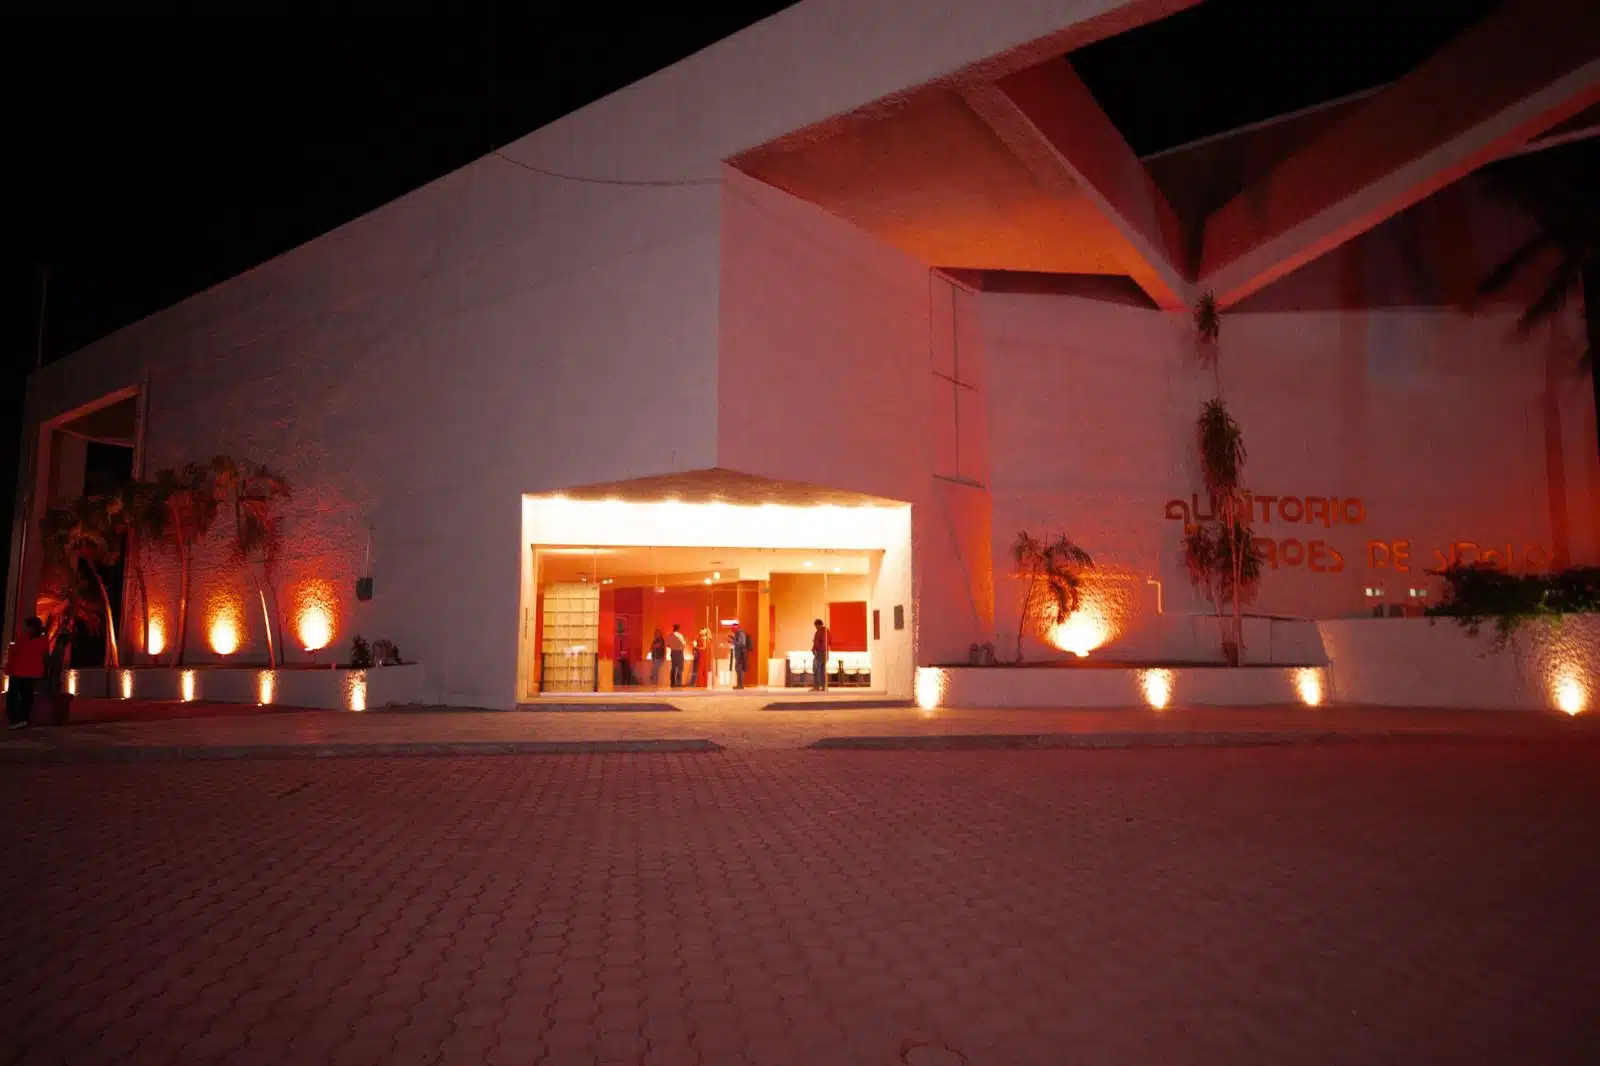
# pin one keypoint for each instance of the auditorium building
(813, 323)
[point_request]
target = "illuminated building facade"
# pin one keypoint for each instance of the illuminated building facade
(817, 339)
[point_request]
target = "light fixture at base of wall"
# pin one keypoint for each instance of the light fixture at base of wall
(1308, 684)
(356, 690)
(1157, 686)
(1570, 695)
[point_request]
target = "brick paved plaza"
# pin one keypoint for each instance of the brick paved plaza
(1363, 904)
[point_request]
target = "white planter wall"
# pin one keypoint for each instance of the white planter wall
(1007, 687)
(334, 690)
(1421, 662)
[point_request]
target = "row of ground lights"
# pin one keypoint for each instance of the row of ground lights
(355, 686)
(1157, 686)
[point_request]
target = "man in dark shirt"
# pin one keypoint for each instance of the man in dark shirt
(819, 657)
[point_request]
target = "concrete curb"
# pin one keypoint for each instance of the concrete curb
(582, 707)
(1204, 739)
(836, 705)
(30, 756)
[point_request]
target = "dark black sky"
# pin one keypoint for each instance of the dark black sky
(159, 154)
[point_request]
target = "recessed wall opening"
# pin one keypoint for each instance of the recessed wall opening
(606, 581)
(85, 454)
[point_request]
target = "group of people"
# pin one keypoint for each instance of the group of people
(675, 649)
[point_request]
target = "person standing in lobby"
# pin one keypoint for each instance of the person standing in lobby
(702, 645)
(676, 646)
(658, 652)
(740, 657)
(819, 657)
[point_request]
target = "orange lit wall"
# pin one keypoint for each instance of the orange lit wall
(1438, 423)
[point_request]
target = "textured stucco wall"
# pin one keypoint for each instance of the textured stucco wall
(501, 331)
(413, 376)
(1438, 422)
(832, 349)
(1418, 662)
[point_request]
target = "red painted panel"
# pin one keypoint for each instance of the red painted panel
(848, 625)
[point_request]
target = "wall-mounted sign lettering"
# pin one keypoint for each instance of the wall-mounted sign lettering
(1329, 510)
(1320, 557)
(1397, 555)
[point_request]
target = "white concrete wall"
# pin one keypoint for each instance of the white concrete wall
(413, 374)
(827, 376)
(1436, 421)
(419, 368)
(334, 690)
(1418, 662)
(1005, 687)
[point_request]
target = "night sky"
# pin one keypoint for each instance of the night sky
(161, 154)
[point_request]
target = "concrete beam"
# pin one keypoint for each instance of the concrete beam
(1052, 123)
(1525, 69)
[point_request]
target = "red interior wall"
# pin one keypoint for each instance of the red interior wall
(608, 624)
(628, 604)
(847, 627)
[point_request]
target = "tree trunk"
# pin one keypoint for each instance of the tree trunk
(266, 620)
(277, 614)
(112, 660)
(1027, 608)
(144, 606)
(1238, 575)
(181, 638)
(1236, 561)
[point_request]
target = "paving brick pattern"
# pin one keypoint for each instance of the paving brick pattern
(1363, 904)
(733, 722)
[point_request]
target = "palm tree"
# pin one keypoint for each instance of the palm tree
(1562, 258)
(76, 535)
(1222, 455)
(1225, 568)
(1052, 572)
(137, 515)
(189, 499)
(254, 495)
(66, 605)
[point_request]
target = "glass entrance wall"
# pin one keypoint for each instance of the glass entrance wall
(646, 619)
(789, 563)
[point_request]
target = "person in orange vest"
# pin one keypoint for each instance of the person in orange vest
(25, 662)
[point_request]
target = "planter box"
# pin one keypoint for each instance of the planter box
(1107, 687)
(1426, 662)
(325, 689)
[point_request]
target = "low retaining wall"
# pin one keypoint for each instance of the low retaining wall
(333, 690)
(1425, 662)
(1006, 687)
(1197, 638)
